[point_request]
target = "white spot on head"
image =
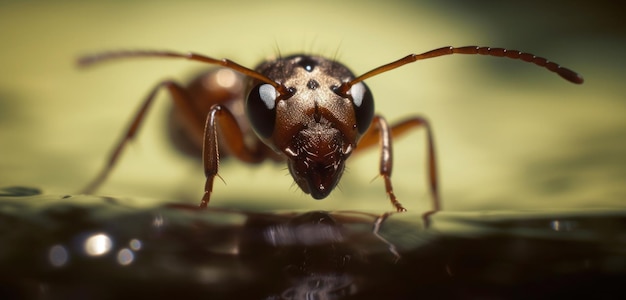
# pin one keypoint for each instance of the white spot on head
(268, 94)
(357, 91)
(290, 152)
(347, 149)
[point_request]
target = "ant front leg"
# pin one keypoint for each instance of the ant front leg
(182, 102)
(233, 137)
(381, 132)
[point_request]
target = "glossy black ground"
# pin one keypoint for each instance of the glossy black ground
(85, 247)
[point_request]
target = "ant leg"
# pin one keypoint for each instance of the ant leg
(379, 134)
(233, 137)
(182, 101)
(383, 134)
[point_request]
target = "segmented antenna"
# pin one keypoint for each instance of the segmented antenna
(89, 60)
(566, 73)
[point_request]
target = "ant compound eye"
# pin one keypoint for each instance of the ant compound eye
(261, 109)
(363, 102)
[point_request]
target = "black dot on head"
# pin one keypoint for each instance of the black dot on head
(312, 84)
(307, 63)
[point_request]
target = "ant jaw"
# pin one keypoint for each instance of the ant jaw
(316, 161)
(315, 178)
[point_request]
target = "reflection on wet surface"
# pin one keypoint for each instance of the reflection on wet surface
(77, 247)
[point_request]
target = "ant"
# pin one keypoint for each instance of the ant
(309, 111)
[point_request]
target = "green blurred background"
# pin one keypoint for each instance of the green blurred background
(509, 135)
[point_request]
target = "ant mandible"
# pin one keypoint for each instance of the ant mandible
(307, 110)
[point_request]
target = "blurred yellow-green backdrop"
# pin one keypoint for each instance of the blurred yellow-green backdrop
(509, 135)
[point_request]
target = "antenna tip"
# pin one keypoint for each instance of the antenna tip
(85, 61)
(570, 75)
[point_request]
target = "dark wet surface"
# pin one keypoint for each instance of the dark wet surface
(86, 247)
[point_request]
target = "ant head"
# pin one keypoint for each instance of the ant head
(314, 124)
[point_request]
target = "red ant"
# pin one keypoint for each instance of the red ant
(309, 111)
